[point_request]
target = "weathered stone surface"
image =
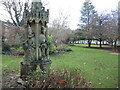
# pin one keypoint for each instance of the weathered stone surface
(35, 43)
(20, 81)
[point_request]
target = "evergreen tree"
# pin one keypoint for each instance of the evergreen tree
(88, 11)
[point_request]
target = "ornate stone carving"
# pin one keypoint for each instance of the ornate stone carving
(35, 44)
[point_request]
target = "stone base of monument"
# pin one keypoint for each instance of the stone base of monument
(45, 70)
(21, 82)
(27, 69)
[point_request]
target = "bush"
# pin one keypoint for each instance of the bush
(63, 48)
(60, 47)
(51, 43)
(6, 49)
(20, 49)
(68, 49)
(52, 49)
(17, 51)
(57, 79)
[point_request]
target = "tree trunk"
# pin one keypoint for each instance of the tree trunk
(74, 42)
(115, 42)
(100, 43)
(103, 43)
(111, 43)
(89, 43)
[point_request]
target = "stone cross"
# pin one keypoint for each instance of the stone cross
(36, 39)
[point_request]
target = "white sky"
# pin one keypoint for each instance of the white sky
(73, 7)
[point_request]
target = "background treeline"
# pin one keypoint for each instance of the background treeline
(92, 26)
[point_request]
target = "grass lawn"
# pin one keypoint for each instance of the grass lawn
(97, 66)
(11, 63)
(86, 45)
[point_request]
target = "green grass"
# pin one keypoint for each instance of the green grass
(97, 66)
(11, 63)
(85, 45)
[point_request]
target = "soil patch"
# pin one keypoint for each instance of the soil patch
(10, 81)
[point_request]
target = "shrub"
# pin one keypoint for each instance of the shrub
(5, 48)
(52, 49)
(51, 43)
(68, 49)
(57, 79)
(17, 51)
(63, 48)
(20, 49)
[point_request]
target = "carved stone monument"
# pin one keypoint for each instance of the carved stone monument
(35, 44)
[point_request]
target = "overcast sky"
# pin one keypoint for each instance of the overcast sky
(73, 7)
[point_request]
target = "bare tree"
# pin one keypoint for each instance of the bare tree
(105, 27)
(15, 9)
(12, 35)
(112, 28)
(101, 22)
(60, 31)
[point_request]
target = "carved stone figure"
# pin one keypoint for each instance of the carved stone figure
(35, 45)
